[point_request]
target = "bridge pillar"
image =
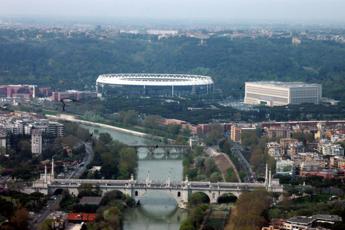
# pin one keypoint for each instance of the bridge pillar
(182, 196)
(166, 153)
(131, 187)
(52, 176)
(266, 176)
(213, 195)
(269, 180)
(73, 191)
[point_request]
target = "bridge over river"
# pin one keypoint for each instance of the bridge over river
(161, 152)
(180, 190)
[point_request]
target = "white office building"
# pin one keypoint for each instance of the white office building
(332, 150)
(285, 167)
(273, 93)
(36, 141)
(274, 150)
(3, 141)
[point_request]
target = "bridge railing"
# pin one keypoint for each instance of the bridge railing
(90, 181)
(194, 185)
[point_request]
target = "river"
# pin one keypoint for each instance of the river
(158, 210)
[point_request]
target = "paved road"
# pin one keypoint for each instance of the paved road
(66, 117)
(89, 154)
(54, 204)
(236, 151)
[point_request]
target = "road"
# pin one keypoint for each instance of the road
(236, 151)
(66, 117)
(53, 205)
(89, 154)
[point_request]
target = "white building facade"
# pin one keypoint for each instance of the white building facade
(3, 141)
(36, 142)
(273, 93)
(332, 150)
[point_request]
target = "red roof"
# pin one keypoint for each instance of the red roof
(82, 217)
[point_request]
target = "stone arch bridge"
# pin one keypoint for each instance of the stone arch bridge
(181, 191)
(161, 151)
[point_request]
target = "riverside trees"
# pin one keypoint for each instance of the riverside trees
(250, 211)
(117, 160)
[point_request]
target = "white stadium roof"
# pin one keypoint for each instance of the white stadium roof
(148, 79)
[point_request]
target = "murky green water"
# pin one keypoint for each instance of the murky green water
(158, 210)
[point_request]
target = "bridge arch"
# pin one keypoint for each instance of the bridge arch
(143, 153)
(158, 153)
(124, 191)
(173, 153)
(199, 197)
(227, 198)
(107, 197)
(57, 191)
(180, 196)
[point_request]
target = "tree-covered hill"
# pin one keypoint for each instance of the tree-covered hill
(65, 62)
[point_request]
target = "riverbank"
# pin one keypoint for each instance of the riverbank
(71, 118)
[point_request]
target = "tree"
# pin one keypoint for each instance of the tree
(215, 177)
(105, 138)
(152, 121)
(7, 208)
(82, 133)
(108, 218)
(230, 175)
(46, 225)
(214, 135)
(110, 196)
(249, 211)
(128, 162)
(129, 117)
(198, 198)
(87, 190)
(20, 218)
(197, 214)
(303, 137)
(257, 159)
(210, 166)
(249, 138)
(187, 224)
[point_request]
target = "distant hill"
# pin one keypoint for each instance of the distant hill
(76, 62)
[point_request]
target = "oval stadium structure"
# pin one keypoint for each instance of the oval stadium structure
(170, 85)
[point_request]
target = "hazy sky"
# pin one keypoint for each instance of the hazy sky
(278, 10)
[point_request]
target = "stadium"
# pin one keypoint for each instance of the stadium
(170, 85)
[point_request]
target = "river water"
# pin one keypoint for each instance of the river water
(158, 210)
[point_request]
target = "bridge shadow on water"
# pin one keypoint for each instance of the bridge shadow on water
(140, 219)
(158, 205)
(158, 210)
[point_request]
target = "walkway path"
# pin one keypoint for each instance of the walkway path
(223, 162)
(72, 118)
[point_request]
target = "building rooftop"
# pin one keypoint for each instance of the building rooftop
(90, 200)
(154, 79)
(81, 217)
(301, 220)
(308, 220)
(329, 218)
(284, 84)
